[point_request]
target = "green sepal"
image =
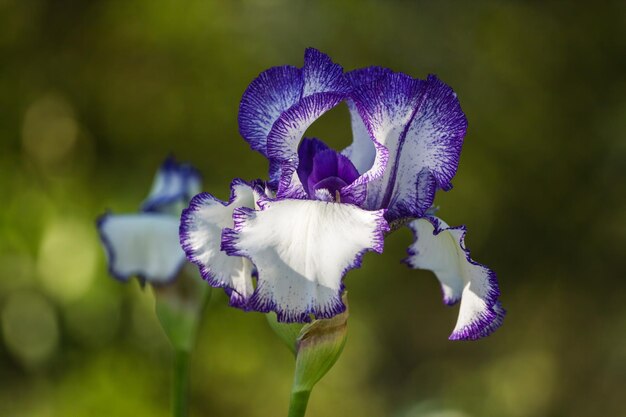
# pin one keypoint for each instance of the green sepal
(287, 332)
(179, 308)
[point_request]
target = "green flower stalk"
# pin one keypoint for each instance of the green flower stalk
(179, 308)
(146, 245)
(316, 346)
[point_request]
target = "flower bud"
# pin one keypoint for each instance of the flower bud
(316, 345)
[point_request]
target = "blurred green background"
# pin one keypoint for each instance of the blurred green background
(94, 94)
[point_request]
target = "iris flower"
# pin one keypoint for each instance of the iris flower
(146, 244)
(285, 245)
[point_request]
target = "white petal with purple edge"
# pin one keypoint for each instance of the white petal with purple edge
(173, 184)
(144, 245)
(421, 125)
(200, 236)
(301, 250)
(441, 249)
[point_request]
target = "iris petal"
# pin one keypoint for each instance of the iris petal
(302, 249)
(421, 126)
(143, 245)
(173, 184)
(441, 249)
(283, 102)
(200, 236)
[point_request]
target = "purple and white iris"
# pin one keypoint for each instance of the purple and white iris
(321, 210)
(146, 244)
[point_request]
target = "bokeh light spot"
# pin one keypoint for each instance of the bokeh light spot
(30, 327)
(50, 130)
(67, 259)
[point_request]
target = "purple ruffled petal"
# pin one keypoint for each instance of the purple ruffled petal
(363, 76)
(272, 93)
(281, 104)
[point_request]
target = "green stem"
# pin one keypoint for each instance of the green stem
(180, 383)
(298, 403)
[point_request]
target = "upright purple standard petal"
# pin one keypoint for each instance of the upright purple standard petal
(441, 249)
(367, 154)
(281, 104)
(272, 93)
(421, 126)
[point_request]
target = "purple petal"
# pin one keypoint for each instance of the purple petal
(363, 76)
(367, 155)
(282, 102)
(266, 98)
(320, 168)
(306, 152)
(328, 164)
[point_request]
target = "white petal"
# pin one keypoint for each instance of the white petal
(144, 245)
(201, 234)
(441, 249)
(302, 249)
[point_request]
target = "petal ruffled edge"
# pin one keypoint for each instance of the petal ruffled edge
(280, 104)
(262, 300)
(475, 323)
(234, 275)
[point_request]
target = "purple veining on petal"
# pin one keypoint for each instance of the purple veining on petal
(363, 76)
(282, 102)
(287, 132)
(266, 98)
(421, 126)
(497, 321)
(322, 75)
